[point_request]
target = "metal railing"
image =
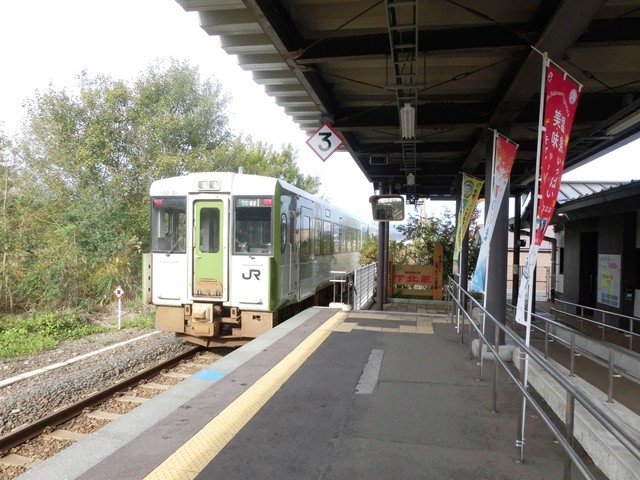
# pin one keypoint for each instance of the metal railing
(341, 287)
(543, 280)
(364, 286)
(463, 303)
(610, 361)
(600, 325)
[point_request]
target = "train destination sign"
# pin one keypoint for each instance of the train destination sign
(325, 141)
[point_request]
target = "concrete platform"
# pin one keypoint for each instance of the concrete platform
(328, 394)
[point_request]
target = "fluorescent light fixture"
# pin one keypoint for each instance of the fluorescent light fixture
(411, 179)
(408, 121)
(623, 124)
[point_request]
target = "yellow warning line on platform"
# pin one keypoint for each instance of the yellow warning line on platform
(191, 458)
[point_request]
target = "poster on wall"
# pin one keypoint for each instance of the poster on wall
(609, 268)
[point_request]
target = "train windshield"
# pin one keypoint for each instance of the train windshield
(168, 224)
(253, 225)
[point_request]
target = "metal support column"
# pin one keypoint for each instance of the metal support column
(515, 283)
(383, 262)
(385, 226)
(496, 293)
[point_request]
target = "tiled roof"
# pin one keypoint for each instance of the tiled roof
(574, 190)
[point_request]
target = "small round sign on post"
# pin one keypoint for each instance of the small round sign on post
(325, 141)
(119, 292)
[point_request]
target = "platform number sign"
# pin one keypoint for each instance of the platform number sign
(325, 141)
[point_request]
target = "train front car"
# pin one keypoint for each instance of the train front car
(231, 254)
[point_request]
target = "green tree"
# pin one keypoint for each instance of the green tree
(398, 251)
(5, 228)
(423, 233)
(260, 159)
(78, 208)
(420, 236)
(369, 251)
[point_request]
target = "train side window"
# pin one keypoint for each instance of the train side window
(305, 239)
(317, 237)
(344, 235)
(336, 238)
(209, 230)
(326, 238)
(354, 240)
(253, 225)
(168, 224)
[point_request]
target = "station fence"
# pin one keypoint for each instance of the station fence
(364, 286)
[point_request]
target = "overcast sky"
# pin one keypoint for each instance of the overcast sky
(49, 42)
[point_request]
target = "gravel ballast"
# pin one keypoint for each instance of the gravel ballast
(34, 397)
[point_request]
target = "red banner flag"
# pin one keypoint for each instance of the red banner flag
(561, 101)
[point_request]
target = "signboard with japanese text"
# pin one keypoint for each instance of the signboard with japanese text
(609, 271)
(325, 141)
(561, 100)
(420, 280)
(560, 94)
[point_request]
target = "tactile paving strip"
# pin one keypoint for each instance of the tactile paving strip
(390, 323)
(190, 459)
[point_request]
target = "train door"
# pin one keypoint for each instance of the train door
(305, 251)
(209, 266)
(294, 250)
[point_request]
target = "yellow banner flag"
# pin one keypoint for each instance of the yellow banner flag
(471, 187)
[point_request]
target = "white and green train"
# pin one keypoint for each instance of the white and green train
(233, 254)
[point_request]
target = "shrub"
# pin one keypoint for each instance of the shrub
(20, 336)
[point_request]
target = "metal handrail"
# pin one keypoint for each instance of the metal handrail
(573, 392)
(628, 333)
(339, 277)
(608, 363)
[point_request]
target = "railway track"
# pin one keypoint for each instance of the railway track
(28, 445)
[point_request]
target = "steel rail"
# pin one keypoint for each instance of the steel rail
(28, 431)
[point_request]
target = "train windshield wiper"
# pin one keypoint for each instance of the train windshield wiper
(174, 247)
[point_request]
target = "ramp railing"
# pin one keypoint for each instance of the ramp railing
(462, 306)
(618, 360)
(577, 319)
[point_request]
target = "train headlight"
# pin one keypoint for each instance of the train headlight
(211, 185)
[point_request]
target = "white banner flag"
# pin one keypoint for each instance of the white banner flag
(504, 153)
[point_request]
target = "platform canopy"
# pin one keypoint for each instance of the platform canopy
(463, 66)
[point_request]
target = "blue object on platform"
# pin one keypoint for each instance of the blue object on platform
(210, 375)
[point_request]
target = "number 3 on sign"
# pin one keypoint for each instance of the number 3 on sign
(325, 141)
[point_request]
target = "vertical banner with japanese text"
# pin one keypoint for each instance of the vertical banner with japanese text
(561, 94)
(504, 154)
(471, 188)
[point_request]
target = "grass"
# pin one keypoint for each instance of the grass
(23, 335)
(147, 320)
